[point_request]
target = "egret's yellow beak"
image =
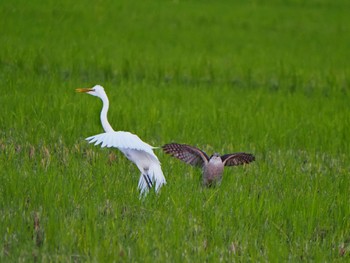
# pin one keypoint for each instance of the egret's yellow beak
(83, 90)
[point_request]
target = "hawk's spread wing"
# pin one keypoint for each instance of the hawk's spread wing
(186, 153)
(233, 159)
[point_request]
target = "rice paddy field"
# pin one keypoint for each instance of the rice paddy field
(270, 78)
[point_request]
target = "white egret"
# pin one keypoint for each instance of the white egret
(137, 151)
(213, 166)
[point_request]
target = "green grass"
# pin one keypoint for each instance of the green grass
(266, 77)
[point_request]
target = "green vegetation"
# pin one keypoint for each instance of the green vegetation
(266, 77)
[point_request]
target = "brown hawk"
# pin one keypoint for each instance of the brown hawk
(212, 166)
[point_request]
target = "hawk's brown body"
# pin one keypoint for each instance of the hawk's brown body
(212, 172)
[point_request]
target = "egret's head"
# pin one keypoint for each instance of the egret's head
(96, 90)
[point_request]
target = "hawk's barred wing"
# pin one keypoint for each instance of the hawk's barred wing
(186, 153)
(233, 159)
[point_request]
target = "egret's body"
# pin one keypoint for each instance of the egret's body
(136, 150)
(213, 166)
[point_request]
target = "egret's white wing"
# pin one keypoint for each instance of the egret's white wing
(121, 140)
(138, 152)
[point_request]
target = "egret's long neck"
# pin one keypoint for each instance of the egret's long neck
(105, 124)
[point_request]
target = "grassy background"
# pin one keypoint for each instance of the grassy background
(267, 77)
